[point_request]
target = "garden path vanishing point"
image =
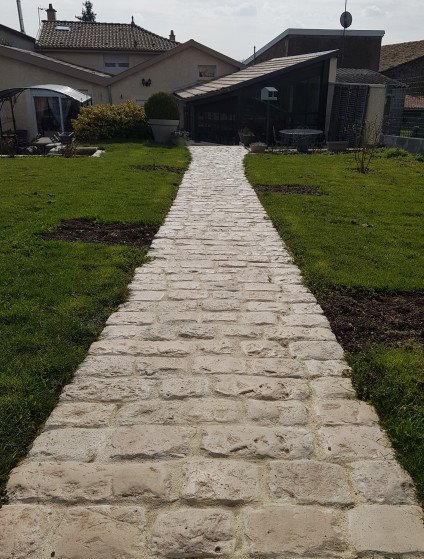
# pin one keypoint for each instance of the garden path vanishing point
(213, 418)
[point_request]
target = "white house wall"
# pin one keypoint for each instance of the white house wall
(172, 73)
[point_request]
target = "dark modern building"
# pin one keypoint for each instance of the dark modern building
(216, 111)
(357, 49)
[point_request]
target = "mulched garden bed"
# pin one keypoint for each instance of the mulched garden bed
(289, 189)
(84, 231)
(359, 319)
(165, 168)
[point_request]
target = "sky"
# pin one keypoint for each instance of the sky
(234, 27)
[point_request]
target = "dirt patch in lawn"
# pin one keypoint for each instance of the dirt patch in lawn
(165, 168)
(84, 231)
(289, 189)
(358, 319)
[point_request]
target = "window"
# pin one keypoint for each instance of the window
(115, 64)
(207, 72)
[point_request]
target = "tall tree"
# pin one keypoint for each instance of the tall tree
(87, 13)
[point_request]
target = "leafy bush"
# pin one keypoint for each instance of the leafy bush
(395, 152)
(162, 105)
(109, 122)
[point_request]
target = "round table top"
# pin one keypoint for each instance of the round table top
(301, 132)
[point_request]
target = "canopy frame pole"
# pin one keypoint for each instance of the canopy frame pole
(13, 114)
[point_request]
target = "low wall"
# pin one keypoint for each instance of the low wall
(413, 145)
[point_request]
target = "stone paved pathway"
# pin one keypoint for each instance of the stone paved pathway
(213, 418)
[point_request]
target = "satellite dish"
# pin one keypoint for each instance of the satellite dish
(346, 19)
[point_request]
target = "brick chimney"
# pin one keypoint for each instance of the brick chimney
(172, 36)
(51, 13)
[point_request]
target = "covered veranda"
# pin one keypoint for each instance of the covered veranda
(51, 107)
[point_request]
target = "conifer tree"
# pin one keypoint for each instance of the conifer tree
(87, 13)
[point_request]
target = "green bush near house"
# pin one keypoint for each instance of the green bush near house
(162, 106)
(111, 122)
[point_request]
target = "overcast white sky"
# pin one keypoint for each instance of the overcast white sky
(235, 26)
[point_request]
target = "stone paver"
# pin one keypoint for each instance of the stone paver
(213, 418)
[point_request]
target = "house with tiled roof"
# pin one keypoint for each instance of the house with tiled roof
(109, 62)
(405, 62)
(105, 47)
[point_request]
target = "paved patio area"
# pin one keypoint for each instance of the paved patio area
(213, 418)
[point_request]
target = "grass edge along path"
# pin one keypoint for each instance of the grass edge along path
(363, 233)
(56, 296)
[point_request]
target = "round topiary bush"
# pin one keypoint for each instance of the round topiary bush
(162, 106)
(110, 122)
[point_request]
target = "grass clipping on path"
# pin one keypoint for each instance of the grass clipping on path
(55, 296)
(362, 239)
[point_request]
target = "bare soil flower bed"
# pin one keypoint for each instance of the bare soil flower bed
(85, 231)
(359, 319)
(289, 189)
(166, 168)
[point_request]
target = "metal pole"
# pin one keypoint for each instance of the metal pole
(21, 18)
(267, 123)
(13, 114)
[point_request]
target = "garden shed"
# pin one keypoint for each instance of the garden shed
(216, 111)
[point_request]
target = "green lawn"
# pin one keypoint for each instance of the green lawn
(366, 232)
(56, 296)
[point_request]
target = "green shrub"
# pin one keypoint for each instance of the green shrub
(162, 105)
(111, 122)
(395, 152)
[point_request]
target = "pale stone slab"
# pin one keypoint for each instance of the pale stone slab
(221, 481)
(263, 348)
(217, 365)
(107, 366)
(108, 390)
(327, 368)
(285, 334)
(345, 412)
(161, 366)
(321, 351)
(193, 533)
(262, 388)
(274, 530)
(66, 482)
(81, 414)
(67, 444)
(146, 481)
(384, 482)
(100, 532)
(309, 483)
(185, 387)
(354, 442)
(136, 318)
(387, 529)
(134, 347)
(284, 413)
(329, 388)
(35, 523)
(277, 367)
(259, 442)
(149, 441)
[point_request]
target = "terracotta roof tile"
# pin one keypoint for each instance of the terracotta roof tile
(100, 36)
(400, 53)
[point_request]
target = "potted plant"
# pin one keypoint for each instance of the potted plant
(164, 116)
(257, 147)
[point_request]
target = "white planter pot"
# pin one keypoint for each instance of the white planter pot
(162, 129)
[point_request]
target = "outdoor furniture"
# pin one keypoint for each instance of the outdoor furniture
(44, 144)
(302, 138)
